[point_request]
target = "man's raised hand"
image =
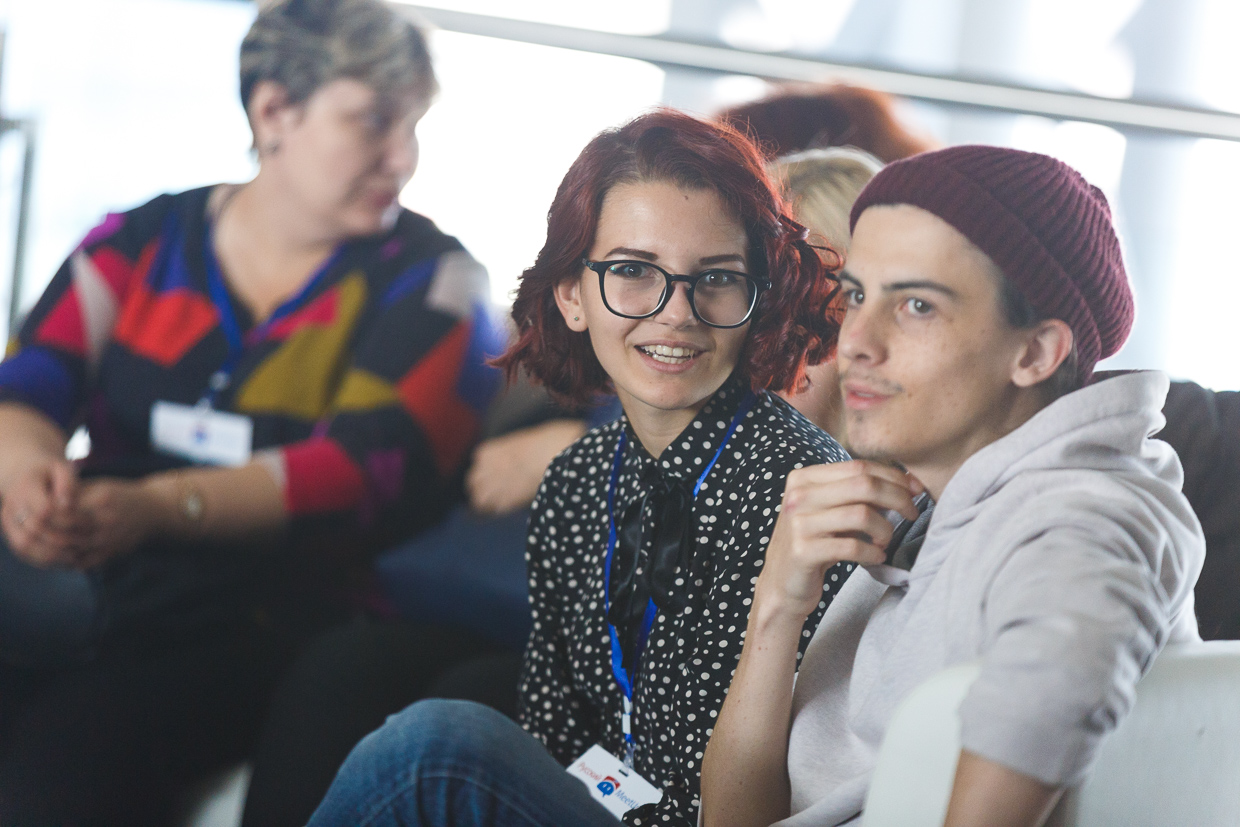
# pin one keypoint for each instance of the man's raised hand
(830, 514)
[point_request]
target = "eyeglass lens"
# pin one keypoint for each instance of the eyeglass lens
(720, 297)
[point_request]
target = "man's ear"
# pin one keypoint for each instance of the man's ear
(1047, 345)
(271, 114)
(568, 299)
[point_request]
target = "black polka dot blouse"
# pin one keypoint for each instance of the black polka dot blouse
(569, 697)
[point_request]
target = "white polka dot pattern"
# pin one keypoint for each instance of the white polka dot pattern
(569, 698)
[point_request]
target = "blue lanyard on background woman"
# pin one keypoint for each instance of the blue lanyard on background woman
(623, 679)
(229, 324)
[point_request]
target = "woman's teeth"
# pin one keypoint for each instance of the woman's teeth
(669, 355)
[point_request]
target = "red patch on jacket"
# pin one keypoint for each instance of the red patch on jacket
(163, 327)
(428, 392)
(321, 478)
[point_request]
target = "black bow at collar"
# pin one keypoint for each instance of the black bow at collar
(642, 571)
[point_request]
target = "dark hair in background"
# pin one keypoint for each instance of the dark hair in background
(809, 117)
(790, 327)
(304, 44)
(1020, 313)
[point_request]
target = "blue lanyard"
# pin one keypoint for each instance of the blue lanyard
(229, 324)
(623, 679)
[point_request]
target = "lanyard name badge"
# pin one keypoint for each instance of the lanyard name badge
(200, 433)
(597, 768)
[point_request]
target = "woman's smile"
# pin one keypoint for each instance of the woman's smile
(670, 355)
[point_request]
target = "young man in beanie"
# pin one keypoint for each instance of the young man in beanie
(1041, 531)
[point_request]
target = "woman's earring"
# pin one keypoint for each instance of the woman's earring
(576, 318)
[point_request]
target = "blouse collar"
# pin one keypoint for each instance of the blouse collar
(689, 454)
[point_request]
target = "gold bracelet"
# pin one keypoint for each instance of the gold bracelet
(190, 502)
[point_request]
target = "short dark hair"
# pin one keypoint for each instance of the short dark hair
(1020, 313)
(793, 325)
(304, 44)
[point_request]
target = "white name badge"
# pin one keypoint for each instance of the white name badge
(612, 784)
(201, 434)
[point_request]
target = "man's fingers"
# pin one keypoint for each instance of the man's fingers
(858, 551)
(820, 553)
(832, 471)
(858, 521)
(916, 485)
(877, 492)
(824, 486)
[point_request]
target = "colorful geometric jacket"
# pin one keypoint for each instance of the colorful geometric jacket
(366, 393)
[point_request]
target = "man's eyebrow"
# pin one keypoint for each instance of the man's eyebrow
(897, 286)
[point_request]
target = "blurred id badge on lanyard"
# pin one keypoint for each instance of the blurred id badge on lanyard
(612, 784)
(201, 434)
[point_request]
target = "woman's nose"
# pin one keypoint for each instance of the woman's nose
(678, 310)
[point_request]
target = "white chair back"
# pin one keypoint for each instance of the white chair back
(1174, 760)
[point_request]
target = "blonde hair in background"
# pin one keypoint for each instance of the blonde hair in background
(821, 186)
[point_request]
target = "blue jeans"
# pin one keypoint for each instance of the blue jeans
(48, 617)
(455, 764)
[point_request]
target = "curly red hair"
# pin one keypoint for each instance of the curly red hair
(793, 324)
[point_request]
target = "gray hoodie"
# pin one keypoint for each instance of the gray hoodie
(1063, 556)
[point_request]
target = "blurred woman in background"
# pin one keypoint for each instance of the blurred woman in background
(276, 377)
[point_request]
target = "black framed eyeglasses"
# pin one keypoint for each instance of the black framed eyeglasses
(638, 289)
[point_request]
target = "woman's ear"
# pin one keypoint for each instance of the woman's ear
(271, 115)
(568, 299)
(1047, 345)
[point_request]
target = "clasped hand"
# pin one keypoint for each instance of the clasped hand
(51, 518)
(830, 514)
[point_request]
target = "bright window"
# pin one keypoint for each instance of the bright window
(497, 142)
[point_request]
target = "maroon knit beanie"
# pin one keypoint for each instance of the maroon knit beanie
(1047, 228)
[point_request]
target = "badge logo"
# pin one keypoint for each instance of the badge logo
(608, 785)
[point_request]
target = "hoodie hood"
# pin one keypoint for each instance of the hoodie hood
(1105, 426)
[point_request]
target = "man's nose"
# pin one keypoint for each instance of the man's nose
(861, 336)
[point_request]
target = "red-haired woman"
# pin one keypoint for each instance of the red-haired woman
(671, 276)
